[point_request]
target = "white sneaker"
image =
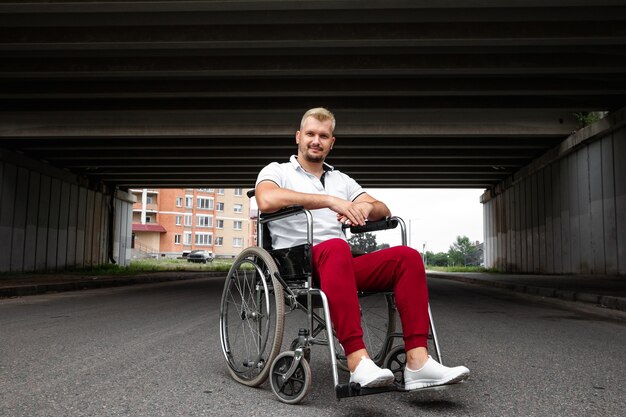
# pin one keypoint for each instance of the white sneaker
(433, 374)
(369, 375)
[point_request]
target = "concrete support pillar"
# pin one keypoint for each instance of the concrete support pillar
(566, 212)
(122, 231)
(51, 220)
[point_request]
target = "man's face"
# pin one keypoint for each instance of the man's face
(315, 140)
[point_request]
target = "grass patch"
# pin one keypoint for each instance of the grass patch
(137, 266)
(169, 264)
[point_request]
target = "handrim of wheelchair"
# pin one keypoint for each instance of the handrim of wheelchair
(262, 285)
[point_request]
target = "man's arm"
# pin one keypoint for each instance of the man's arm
(270, 198)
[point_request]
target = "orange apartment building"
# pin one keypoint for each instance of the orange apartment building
(172, 222)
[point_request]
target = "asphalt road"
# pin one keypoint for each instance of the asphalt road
(153, 350)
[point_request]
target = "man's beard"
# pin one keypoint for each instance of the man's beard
(313, 158)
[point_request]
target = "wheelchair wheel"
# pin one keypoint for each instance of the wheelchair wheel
(396, 362)
(251, 316)
(378, 320)
(295, 388)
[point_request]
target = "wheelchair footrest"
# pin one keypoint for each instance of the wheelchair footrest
(352, 389)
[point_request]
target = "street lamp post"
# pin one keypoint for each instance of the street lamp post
(411, 232)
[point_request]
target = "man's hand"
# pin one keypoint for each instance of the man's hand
(354, 213)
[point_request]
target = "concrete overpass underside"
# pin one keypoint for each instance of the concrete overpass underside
(104, 96)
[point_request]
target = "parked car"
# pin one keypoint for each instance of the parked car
(201, 255)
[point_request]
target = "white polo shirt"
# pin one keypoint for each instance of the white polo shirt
(292, 231)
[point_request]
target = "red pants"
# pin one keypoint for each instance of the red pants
(399, 268)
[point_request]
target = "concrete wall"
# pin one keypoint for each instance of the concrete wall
(51, 220)
(566, 212)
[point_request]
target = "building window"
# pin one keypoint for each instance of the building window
(204, 239)
(219, 223)
(179, 201)
(188, 221)
(149, 200)
(237, 242)
(237, 224)
(148, 219)
(205, 203)
(238, 192)
(204, 221)
(220, 191)
(189, 201)
(187, 238)
(219, 206)
(179, 220)
(219, 241)
(238, 208)
(177, 239)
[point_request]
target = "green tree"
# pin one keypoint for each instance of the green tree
(463, 251)
(436, 259)
(363, 242)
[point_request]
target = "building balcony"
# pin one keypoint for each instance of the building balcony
(148, 227)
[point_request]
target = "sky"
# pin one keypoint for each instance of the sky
(435, 216)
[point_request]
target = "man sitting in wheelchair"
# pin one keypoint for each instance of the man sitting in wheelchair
(335, 199)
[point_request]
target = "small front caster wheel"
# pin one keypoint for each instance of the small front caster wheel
(396, 362)
(295, 388)
(295, 344)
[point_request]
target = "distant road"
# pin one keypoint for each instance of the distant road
(153, 350)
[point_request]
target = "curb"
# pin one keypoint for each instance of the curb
(605, 301)
(95, 282)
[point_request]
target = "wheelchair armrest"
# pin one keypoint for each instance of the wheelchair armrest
(372, 226)
(284, 212)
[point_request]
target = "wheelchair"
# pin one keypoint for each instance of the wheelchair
(263, 284)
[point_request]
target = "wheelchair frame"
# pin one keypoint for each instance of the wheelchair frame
(293, 365)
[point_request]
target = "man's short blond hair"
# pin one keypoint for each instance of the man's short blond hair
(321, 114)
